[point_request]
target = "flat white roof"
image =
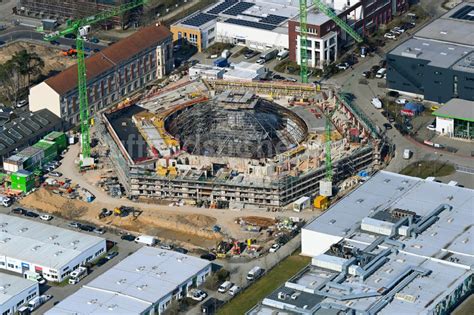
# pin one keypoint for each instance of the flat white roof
(40, 243)
(10, 286)
(134, 284)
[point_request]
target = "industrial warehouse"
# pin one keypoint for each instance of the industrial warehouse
(50, 251)
(146, 282)
(395, 245)
(234, 149)
(15, 292)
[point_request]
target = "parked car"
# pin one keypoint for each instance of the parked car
(99, 231)
(274, 248)
(31, 214)
(278, 77)
(367, 74)
(21, 103)
(208, 256)
(224, 287)
(250, 54)
(377, 103)
(55, 43)
(401, 101)
(19, 211)
(166, 246)
(387, 126)
(75, 225)
(181, 250)
(407, 154)
(87, 228)
(432, 126)
(198, 295)
(101, 261)
(390, 118)
(234, 290)
(70, 36)
(393, 94)
(46, 217)
(390, 35)
(343, 66)
(111, 255)
(128, 237)
(291, 80)
(56, 174)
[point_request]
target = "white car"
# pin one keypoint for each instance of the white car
(224, 287)
(432, 126)
(21, 103)
(377, 102)
(390, 36)
(198, 295)
(46, 217)
(274, 248)
(343, 66)
(401, 101)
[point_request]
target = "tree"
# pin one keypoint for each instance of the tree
(8, 73)
(28, 64)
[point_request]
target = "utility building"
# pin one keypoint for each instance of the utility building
(112, 74)
(15, 291)
(437, 64)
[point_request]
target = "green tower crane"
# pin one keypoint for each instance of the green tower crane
(303, 41)
(81, 28)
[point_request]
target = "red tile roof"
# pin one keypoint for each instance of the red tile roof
(106, 59)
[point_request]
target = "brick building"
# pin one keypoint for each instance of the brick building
(112, 74)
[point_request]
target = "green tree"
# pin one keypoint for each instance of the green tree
(28, 64)
(8, 73)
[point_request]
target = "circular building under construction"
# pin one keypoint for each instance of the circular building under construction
(239, 126)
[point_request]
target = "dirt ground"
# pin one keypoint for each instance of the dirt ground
(51, 55)
(192, 229)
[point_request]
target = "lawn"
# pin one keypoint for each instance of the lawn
(266, 285)
(425, 169)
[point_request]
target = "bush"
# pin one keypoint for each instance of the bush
(218, 48)
(213, 282)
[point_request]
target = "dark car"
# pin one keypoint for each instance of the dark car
(128, 237)
(55, 43)
(208, 256)
(87, 228)
(111, 255)
(101, 261)
(2, 43)
(375, 68)
(31, 214)
(278, 77)
(387, 126)
(250, 54)
(70, 36)
(181, 250)
(367, 74)
(393, 94)
(19, 211)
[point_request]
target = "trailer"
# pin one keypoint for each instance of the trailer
(301, 204)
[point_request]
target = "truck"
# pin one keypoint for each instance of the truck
(255, 273)
(221, 62)
(31, 275)
(36, 302)
(267, 56)
(5, 201)
(282, 54)
(77, 275)
(147, 240)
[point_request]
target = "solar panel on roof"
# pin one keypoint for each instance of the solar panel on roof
(199, 19)
(2, 146)
(222, 6)
(15, 134)
(43, 121)
(24, 129)
(31, 124)
(238, 8)
(273, 19)
(465, 13)
(262, 26)
(5, 139)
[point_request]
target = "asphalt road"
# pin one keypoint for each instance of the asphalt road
(23, 33)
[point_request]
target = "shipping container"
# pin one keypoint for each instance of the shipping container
(22, 180)
(59, 138)
(34, 157)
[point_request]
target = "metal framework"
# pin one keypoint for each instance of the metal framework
(80, 29)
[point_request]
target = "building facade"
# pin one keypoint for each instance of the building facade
(324, 36)
(16, 292)
(113, 74)
(437, 63)
(53, 252)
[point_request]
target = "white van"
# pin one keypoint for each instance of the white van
(146, 240)
(223, 288)
(377, 103)
(234, 290)
(406, 154)
(77, 275)
(282, 54)
(255, 273)
(381, 73)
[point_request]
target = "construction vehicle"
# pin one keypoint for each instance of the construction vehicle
(124, 211)
(69, 52)
(81, 28)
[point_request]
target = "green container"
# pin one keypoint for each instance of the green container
(22, 180)
(59, 138)
(49, 148)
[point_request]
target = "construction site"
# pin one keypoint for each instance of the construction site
(247, 145)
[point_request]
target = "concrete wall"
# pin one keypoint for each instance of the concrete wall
(43, 96)
(250, 37)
